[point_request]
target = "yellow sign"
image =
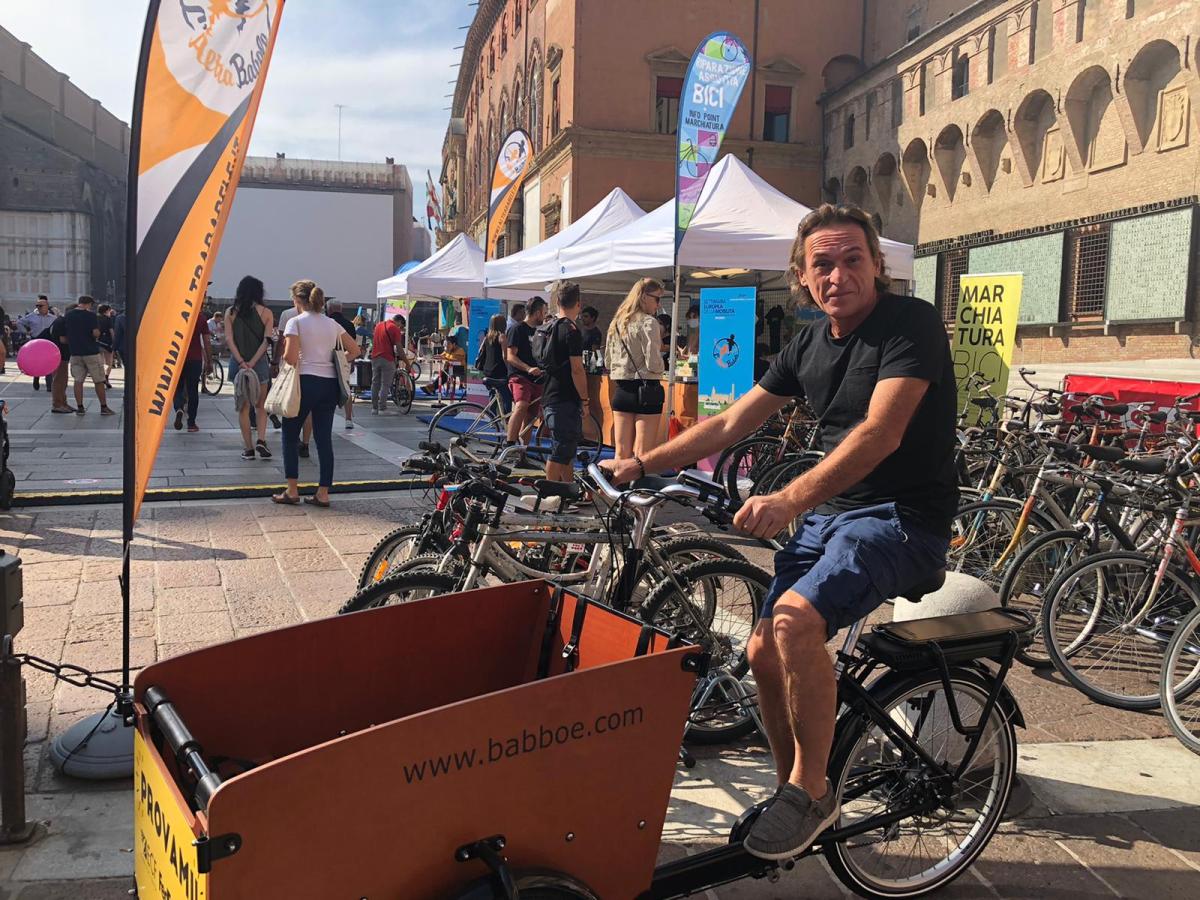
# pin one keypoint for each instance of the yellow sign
(165, 863)
(985, 329)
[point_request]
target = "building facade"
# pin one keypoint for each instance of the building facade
(1057, 138)
(64, 164)
(597, 87)
(343, 224)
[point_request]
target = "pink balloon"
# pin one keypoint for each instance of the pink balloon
(38, 358)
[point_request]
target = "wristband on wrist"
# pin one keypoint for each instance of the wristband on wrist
(641, 465)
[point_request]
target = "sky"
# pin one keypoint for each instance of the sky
(389, 61)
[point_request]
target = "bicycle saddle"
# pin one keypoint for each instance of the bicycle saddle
(1113, 409)
(1147, 465)
(918, 591)
(1104, 454)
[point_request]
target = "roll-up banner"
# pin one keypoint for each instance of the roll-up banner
(512, 165)
(985, 329)
(200, 79)
(711, 90)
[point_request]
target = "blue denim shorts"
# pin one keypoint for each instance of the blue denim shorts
(848, 563)
(262, 369)
(565, 421)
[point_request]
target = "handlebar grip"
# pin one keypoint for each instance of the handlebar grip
(431, 447)
(606, 487)
(421, 465)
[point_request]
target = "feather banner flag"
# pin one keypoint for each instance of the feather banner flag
(512, 165)
(200, 79)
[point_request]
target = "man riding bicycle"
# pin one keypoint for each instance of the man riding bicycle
(876, 510)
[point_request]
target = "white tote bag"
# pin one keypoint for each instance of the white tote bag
(284, 397)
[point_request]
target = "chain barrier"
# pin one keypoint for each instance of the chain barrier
(73, 675)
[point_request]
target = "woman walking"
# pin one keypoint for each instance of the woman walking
(490, 362)
(635, 366)
(309, 342)
(248, 325)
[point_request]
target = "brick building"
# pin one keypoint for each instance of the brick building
(1058, 138)
(63, 173)
(597, 84)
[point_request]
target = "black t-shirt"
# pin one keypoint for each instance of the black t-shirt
(346, 324)
(903, 337)
(520, 338)
(80, 325)
(593, 338)
(565, 342)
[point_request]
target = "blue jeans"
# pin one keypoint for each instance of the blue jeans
(319, 398)
(847, 564)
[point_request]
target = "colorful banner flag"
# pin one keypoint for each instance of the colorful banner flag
(714, 82)
(512, 165)
(985, 329)
(200, 78)
(433, 207)
(726, 370)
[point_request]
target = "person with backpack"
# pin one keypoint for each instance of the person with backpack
(524, 376)
(558, 351)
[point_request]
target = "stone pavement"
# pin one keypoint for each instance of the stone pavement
(52, 453)
(1116, 811)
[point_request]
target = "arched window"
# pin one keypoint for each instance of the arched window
(848, 132)
(960, 81)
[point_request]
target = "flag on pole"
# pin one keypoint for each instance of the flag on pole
(714, 82)
(512, 165)
(433, 207)
(200, 78)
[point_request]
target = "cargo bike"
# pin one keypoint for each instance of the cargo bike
(521, 742)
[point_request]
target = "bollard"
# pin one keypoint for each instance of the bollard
(13, 827)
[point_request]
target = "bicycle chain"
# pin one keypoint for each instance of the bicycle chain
(72, 675)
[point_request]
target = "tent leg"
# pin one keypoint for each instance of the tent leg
(670, 407)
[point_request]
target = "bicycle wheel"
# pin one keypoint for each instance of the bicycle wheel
(482, 432)
(402, 392)
(716, 609)
(677, 553)
(396, 547)
(1031, 573)
(590, 443)
(981, 538)
(748, 461)
(1179, 681)
(214, 380)
(403, 588)
(875, 775)
(1107, 634)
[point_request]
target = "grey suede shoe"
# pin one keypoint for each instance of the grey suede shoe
(791, 823)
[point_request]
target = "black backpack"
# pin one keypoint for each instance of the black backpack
(543, 345)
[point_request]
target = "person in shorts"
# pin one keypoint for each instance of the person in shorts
(873, 515)
(565, 397)
(523, 374)
(82, 327)
(635, 369)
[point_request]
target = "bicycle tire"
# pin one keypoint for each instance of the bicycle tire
(1033, 570)
(591, 443)
(403, 588)
(861, 745)
(1181, 705)
(678, 552)
(403, 389)
(727, 651)
(743, 465)
(217, 374)
(981, 532)
(482, 435)
(383, 553)
(1101, 629)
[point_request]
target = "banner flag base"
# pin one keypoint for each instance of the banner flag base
(97, 748)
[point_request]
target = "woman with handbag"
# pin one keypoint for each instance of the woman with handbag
(316, 347)
(635, 368)
(249, 324)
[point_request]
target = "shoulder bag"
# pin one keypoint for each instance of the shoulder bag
(284, 397)
(341, 368)
(643, 393)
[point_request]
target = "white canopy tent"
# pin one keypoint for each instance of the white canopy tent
(741, 223)
(454, 271)
(539, 264)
